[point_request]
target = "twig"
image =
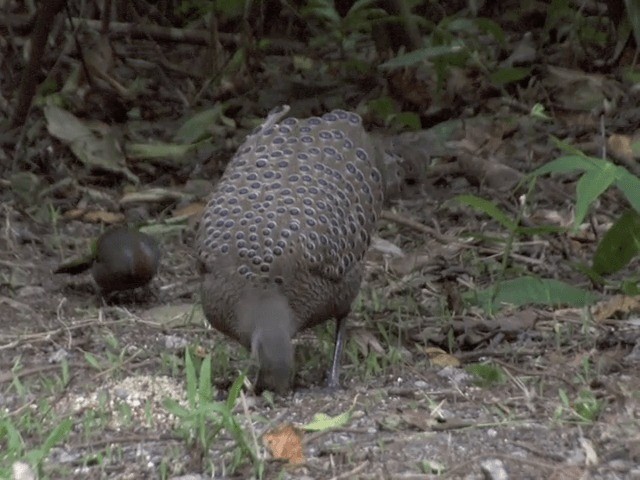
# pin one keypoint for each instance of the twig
(532, 373)
(420, 227)
(540, 453)
(196, 37)
(129, 439)
(121, 29)
(352, 472)
(466, 466)
(254, 437)
(44, 21)
(515, 256)
(9, 376)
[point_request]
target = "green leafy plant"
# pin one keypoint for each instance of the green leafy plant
(531, 290)
(633, 15)
(598, 175)
(344, 31)
(226, 9)
(14, 448)
(322, 422)
(203, 419)
(538, 112)
(587, 407)
(526, 289)
(617, 248)
(584, 409)
(486, 375)
(388, 111)
(622, 242)
(453, 42)
(571, 23)
(432, 467)
(619, 245)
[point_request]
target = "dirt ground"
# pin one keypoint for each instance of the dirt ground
(434, 384)
(414, 413)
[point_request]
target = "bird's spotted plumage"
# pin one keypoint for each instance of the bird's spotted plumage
(282, 238)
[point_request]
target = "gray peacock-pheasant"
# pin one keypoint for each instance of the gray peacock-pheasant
(282, 239)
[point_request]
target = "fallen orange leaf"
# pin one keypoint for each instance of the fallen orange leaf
(285, 442)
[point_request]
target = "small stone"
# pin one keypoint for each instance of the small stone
(22, 471)
(494, 469)
(174, 342)
(58, 356)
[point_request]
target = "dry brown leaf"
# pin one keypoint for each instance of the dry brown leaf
(578, 120)
(189, 211)
(200, 351)
(175, 315)
(419, 420)
(385, 247)
(453, 295)
(518, 321)
(615, 305)
(453, 423)
(569, 473)
(620, 146)
(97, 216)
(151, 195)
(99, 59)
(440, 358)
(589, 451)
(410, 263)
(523, 52)
(285, 442)
(413, 86)
(97, 148)
(543, 216)
(575, 90)
(74, 213)
(624, 149)
(366, 342)
(493, 174)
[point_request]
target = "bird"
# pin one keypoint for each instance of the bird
(121, 259)
(124, 259)
(282, 238)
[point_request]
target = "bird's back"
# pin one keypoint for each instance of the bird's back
(292, 214)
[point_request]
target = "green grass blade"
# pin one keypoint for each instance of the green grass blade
(192, 383)
(630, 186)
(619, 245)
(566, 164)
(590, 187)
(489, 208)
(204, 389)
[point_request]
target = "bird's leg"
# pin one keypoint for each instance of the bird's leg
(334, 374)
